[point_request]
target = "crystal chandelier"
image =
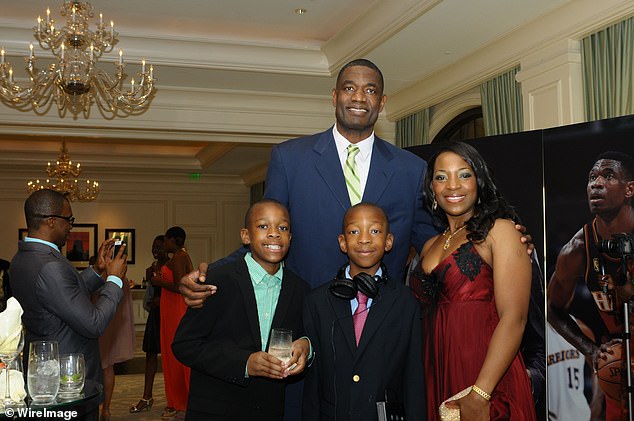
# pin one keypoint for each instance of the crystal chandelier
(63, 177)
(73, 81)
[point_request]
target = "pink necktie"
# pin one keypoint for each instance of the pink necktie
(360, 314)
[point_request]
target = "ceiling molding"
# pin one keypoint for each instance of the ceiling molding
(189, 115)
(378, 24)
(212, 153)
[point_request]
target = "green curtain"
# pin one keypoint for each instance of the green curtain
(502, 104)
(413, 130)
(607, 60)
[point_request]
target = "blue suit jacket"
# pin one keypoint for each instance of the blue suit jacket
(305, 174)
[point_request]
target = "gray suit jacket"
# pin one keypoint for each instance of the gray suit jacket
(56, 301)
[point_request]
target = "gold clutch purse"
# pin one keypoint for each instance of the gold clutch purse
(452, 414)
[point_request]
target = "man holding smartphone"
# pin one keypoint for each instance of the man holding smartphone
(55, 297)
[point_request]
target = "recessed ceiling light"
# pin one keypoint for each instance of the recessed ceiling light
(300, 11)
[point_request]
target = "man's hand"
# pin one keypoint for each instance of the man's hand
(601, 353)
(263, 364)
(119, 265)
(526, 238)
(192, 289)
(104, 255)
(300, 350)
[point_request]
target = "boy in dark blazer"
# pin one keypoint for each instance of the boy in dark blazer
(224, 342)
(358, 363)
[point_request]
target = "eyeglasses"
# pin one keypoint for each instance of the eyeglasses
(70, 219)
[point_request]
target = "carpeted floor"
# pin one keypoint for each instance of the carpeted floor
(128, 389)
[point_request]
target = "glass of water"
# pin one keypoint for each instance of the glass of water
(43, 372)
(72, 374)
(280, 344)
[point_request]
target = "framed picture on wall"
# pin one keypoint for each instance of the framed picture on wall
(22, 233)
(126, 235)
(81, 244)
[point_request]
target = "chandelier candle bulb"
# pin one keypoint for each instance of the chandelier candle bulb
(31, 48)
(120, 57)
(48, 16)
(39, 24)
(2, 56)
(143, 66)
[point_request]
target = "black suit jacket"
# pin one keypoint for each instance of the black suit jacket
(348, 381)
(217, 339)
(56, 301)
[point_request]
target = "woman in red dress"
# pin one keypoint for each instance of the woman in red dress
(476, 279)
(173, 308)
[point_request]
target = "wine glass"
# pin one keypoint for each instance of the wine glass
(9, 351)
(280, 344)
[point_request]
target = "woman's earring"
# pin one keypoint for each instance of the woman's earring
(434, 204)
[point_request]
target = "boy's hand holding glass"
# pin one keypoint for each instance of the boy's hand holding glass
(263, 364)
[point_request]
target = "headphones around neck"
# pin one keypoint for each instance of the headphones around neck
(347, 288)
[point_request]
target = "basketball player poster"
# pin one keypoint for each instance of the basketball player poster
(581, 189)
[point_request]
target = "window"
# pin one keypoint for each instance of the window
(467, 125)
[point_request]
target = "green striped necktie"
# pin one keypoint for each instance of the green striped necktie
(351, 174)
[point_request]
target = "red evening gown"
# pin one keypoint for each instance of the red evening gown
(458, 333)
(176, 375)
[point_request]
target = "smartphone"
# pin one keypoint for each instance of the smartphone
(117, 246)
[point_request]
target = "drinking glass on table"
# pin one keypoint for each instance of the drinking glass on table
(43, 372)
(72, 375)
(280, 344)
(9, 351)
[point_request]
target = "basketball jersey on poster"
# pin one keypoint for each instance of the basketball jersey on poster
(598, 264)
(566, 401)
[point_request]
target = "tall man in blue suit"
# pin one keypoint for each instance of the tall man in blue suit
(306, 174)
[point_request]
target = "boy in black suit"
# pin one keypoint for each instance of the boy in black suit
(224, 342)
(357, 363)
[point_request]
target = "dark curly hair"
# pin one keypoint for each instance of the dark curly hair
(490, 204)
